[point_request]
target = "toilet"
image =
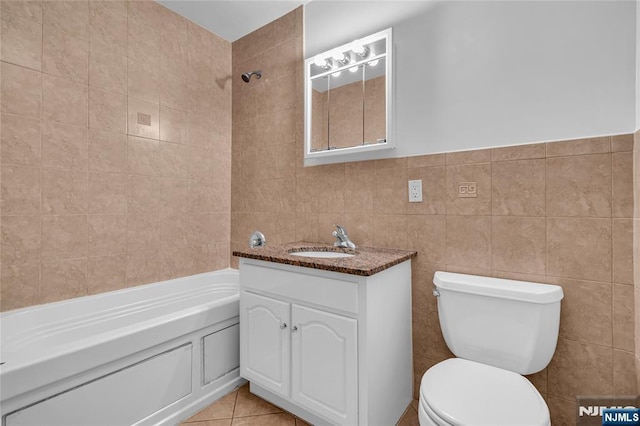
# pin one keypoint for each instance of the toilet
(499, 331)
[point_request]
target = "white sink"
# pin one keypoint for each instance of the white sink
(322, 254)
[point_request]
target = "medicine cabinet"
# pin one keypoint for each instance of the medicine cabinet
(348, 101)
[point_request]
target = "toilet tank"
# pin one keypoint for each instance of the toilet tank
(505, 323)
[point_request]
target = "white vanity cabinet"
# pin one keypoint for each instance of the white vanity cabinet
(330, 347)
(311, 355)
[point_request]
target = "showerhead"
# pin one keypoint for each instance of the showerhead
(247, 75)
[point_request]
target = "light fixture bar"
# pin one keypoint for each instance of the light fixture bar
(362, 61)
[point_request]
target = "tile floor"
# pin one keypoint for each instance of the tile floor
(241, 408)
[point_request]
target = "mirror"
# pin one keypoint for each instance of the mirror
(347, 101)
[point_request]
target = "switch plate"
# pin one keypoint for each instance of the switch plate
(415, 191)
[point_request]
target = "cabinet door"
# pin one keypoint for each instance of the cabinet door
(264, 342)
(324, 369)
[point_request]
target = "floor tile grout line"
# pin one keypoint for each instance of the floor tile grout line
(235, 403)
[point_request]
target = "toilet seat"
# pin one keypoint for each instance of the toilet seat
(459, 392)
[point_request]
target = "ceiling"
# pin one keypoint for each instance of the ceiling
(328, 23)
(232, 19)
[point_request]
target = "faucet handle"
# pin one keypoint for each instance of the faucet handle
(257, 239)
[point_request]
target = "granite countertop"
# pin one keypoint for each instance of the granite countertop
(366, 262)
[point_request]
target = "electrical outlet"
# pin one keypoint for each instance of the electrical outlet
(415, 191)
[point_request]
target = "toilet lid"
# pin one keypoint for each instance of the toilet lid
(463, 392)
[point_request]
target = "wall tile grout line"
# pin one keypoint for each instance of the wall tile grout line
(612, 267)
(41, 119)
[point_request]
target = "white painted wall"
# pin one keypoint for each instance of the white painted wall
(637, 68)
(477, 74)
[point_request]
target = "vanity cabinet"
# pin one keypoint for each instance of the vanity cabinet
(330, 347)
(305, 353)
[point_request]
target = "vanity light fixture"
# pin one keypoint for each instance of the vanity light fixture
(339, 58)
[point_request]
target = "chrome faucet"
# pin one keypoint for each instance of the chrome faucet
(343, 239)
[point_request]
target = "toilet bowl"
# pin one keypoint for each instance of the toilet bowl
(462, 392)
(500, 330)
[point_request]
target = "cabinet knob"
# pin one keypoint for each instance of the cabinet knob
(283, 326)
(294, 329)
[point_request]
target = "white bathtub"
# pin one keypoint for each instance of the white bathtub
(153, 354)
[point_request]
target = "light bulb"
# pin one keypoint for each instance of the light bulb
(359, 49)
(353, 69)
(338, 56)
(320, 61)
(336, 74)
(373, 63)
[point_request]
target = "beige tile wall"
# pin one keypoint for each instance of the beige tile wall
(92, 201)
(267, 130)
(558, 212)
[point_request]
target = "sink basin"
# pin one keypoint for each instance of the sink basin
(322, 254)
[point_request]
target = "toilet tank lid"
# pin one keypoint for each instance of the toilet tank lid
(497, 287)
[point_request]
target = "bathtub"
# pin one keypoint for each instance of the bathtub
(153, 354)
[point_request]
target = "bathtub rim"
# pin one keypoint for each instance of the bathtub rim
(107, 294)
(17, 322)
